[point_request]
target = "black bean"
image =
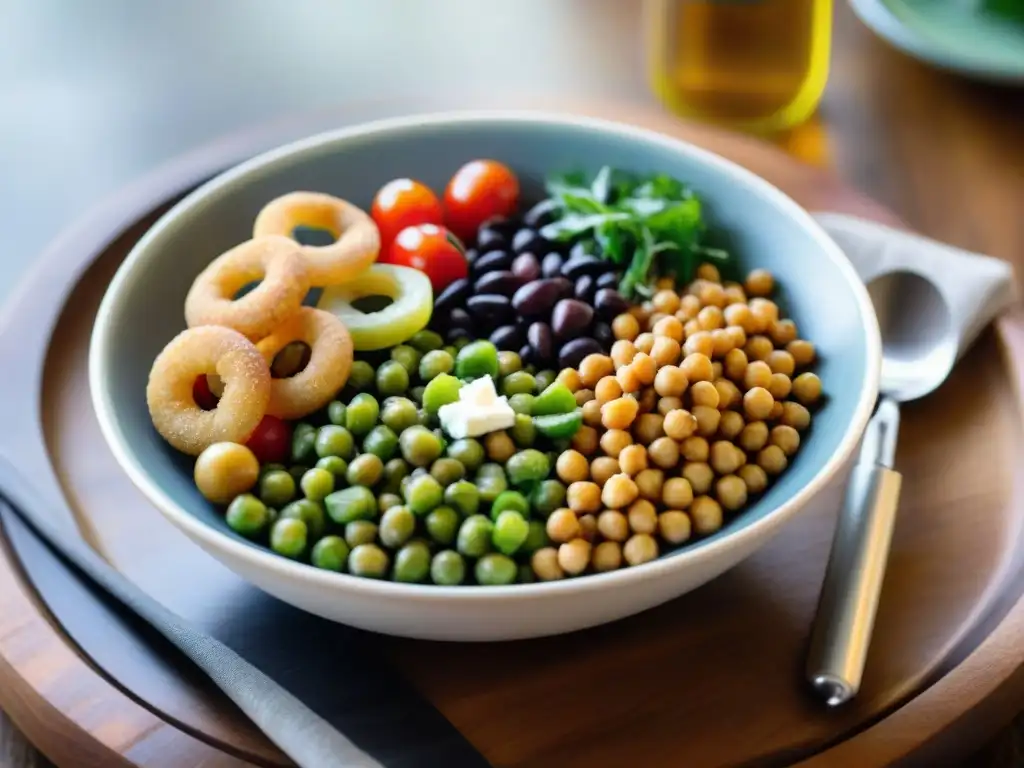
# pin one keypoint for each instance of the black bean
(552, 265)
(526, 353)
(501, 281)
(565, 287)
(497, 259)
(584, 290)
(451, 297)
(608, 280)
(527, 240)
(603, 335)
(537, 298)
(541, 342)
(586, 247)
(490, 307)
(459, 318)
(571, 318)
(526, 267)
(573, 353)
(471, 255)
(540, 214)
(577, 266)
(507, 337)
(454, 333)
(489, 239)
(609, 303)
(501, 225)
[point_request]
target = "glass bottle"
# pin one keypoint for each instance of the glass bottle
(755, 65)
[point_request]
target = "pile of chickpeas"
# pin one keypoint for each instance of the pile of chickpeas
(700, 403)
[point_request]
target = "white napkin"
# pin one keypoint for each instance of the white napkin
(976, 288)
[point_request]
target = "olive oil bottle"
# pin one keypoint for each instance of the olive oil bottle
(756, 65)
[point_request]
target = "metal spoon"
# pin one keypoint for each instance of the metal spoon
(919, 348)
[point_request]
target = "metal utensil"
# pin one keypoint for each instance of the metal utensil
(919, 348)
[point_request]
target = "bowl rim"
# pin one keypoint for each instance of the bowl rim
(211, 539)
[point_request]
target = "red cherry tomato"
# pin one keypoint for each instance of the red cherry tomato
(271, 441)
(203, 395)
(478, 191)
(432, 250)
(402, 203)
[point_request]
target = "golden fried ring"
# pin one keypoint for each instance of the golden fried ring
(330, 361)
(206, 350)
(275, 261)
(357, 239)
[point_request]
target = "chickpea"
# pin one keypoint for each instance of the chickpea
(656, 318)
(592, 413)
(776, 412)
(722, 342)
(807, 388)
(613, 525)
(731, 492)
(668, 328)
(699, 342)
(695, 448)
(679, 424)
(782, 332)
(574, 556)
(602, 468)
(663, 452)
(734, 294)
(691, 327)
(781, 361)
(726, 458)
(787, 438)
(666, 301)
(795, 415)
(623, 352)
(753, 477)
(731, 425)
(625, 326)
(670, 381)
(633, 459)
(708, 271)
(562, 525)
(699, 474)
(641, 312)
(706, 514)
(758, 347)
(649, 427)
(645, 367)
(607, 556)
(707, 419)
(619, 413)
(704, 393)
(711, 318)
(225, 470)
(583, 396)
(649, 483)
(697, 367)
(735, 364)
(759, 283)
(780, 386)
(571, 378)
(499, 446)
(728, 394)
(665, 351)
(758, 374)
(772, 460)
(614, 440)
(641, 548)
(607, 389)
(619, 491)
(765, 312)
(595, 367)
(677, 493)
(668, 404)
(737, 335)
(583, 496)
(644, 343)
(739, 315)
(642, 516)
(802, 352)
(572, 466)
(757, 403)
(674, 526)
(627, 378)
(711, 294)
(588, 528)
(689, 306)
(545, 564)
(665, 283)
(585, 440)
(716, 370)
(754, 436)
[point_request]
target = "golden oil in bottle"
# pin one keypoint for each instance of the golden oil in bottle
(757, 65)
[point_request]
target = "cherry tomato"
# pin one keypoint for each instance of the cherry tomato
(402, 203)
(203, 395)
(271, 441)
(478, 191)
(432, 250)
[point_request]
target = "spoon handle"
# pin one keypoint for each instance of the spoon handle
(300, 733)
(856, 565)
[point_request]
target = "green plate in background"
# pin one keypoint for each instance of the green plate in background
(983, 39)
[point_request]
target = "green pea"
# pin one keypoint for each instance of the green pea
(523, 432)
(333, 440)
(396, 527)
(525, 574)
(555, 398)
(336, 465)
(297, 471)
(510, 531)
(422, 494)
(381, 442)
(355, 503)
(463, 496)
(426, 341)
(509, 363)
(476, 359)
(317, 483)
(303, 428)
(510, 500)
(304, 446)
(528, 466)
(451, 350)
(277, 488)
(447, 471)
(395, 471)
(388, 500)
(468, 452)
(247, 515)
(392, 378)
(336, 413)
(521, 403)
(435, 363)
(548, 496)
(412, 563)
(418, 472)
(330, 553)
(266, 469)
(544, 379)
(494, 570)
(408, 357)
(368, 560)
(288, 537)
(474, 537)
(360, 532)
(460, 342)
(365, 469)
(490, 481)
(308, 511)
(442, 523)
(416, 393)
(441, 390)
(536, 538)
(420, 447)
(439, 434)
(361, 415)
(447, 568)
(399, 414)
(518, 383)
(360, 376)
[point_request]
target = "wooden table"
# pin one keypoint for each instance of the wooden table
(943, 153)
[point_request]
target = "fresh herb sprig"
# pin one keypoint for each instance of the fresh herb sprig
(649, 226)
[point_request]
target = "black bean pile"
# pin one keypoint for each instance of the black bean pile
(550, 302)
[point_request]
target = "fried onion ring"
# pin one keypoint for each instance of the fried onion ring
(275, 261)
(330, 361)
(357, 239)
(206, 350)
